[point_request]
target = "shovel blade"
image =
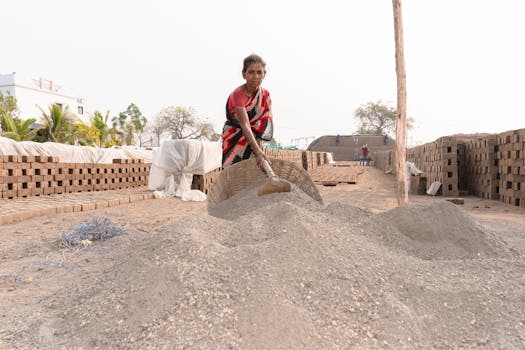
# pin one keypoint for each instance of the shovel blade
(279, 186)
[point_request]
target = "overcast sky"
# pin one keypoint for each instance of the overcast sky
(465, 59)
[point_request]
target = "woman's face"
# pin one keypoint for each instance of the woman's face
(254, 75)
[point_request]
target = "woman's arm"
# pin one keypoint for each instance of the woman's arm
(244, 122)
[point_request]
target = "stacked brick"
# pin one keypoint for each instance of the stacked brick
(511, 164)
(481, 174)
(489, 166)
(462, 168)
(312, 160)
(306, 159)
(439, 161)
(295, 156)
(385, 160)
(26, 176)
(309, 160)
(204, 182)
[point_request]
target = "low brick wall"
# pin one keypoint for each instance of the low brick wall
(26, 176)
(385, 160)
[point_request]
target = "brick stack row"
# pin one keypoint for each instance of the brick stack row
(462, 168)
(481, 175)
(204, 182)
(26, 176)
(511, 164)
(439, 161)
(385, 160)
(295, 156)
(309, 160)
(306, 159)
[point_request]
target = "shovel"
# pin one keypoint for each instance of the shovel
(275, 185)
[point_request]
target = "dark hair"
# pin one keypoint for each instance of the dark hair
(253, 58)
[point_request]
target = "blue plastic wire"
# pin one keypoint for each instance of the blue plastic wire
(98, 229)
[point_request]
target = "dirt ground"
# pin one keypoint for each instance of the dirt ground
(357, 272)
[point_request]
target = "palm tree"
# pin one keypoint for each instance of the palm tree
(17, 129)
(100, 122)
(87, 135)
(59, 125)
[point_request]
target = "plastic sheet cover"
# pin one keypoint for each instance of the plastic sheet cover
(176, 161)
(73, 154)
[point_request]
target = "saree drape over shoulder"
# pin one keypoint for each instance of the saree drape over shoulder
(259, 109)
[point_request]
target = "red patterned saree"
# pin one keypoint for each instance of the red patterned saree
(259, 109)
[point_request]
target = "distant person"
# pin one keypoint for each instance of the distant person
(337, 140)
(364, 156)
(248, 116)
(385, 139)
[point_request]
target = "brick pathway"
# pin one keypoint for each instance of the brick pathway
(12, 210)
(339, 173)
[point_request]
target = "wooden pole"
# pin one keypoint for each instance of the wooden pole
(401, 125)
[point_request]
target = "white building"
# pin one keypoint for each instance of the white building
(31, 93)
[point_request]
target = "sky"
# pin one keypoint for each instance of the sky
(465, 59)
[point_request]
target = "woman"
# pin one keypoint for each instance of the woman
(249, 116)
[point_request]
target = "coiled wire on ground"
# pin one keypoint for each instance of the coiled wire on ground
(98, 229)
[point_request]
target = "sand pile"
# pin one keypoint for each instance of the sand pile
(437, 231)
(283, 272)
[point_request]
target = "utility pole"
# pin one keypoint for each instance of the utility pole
(401, 125)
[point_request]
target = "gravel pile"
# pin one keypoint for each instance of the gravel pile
(283, 272)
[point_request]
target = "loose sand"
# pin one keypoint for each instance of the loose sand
(273, 272)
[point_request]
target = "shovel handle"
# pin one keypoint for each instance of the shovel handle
(269, 172)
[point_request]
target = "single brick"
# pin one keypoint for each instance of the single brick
(68, 208)
(113, 202)
(6, 218)
(14, 158)
(49, 210)
(101, 204)
(88, 206)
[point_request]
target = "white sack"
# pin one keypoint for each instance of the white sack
(413, 170)
(176, 161)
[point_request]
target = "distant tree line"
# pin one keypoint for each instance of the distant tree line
(130, 127)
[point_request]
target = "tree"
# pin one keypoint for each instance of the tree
(157, 128)
(130, 123)
(377, 118)
(182, 123)
(8, 107)
(87, 135)
(58, 125)
(17, 129)
(100, 122)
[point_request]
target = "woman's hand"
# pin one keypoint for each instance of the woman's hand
(244, 122)
(260, 157)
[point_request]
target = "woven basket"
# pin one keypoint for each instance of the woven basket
(243, 175)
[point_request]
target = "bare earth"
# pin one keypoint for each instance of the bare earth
(357, 272)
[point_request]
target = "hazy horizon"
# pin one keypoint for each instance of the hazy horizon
(464, 59)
